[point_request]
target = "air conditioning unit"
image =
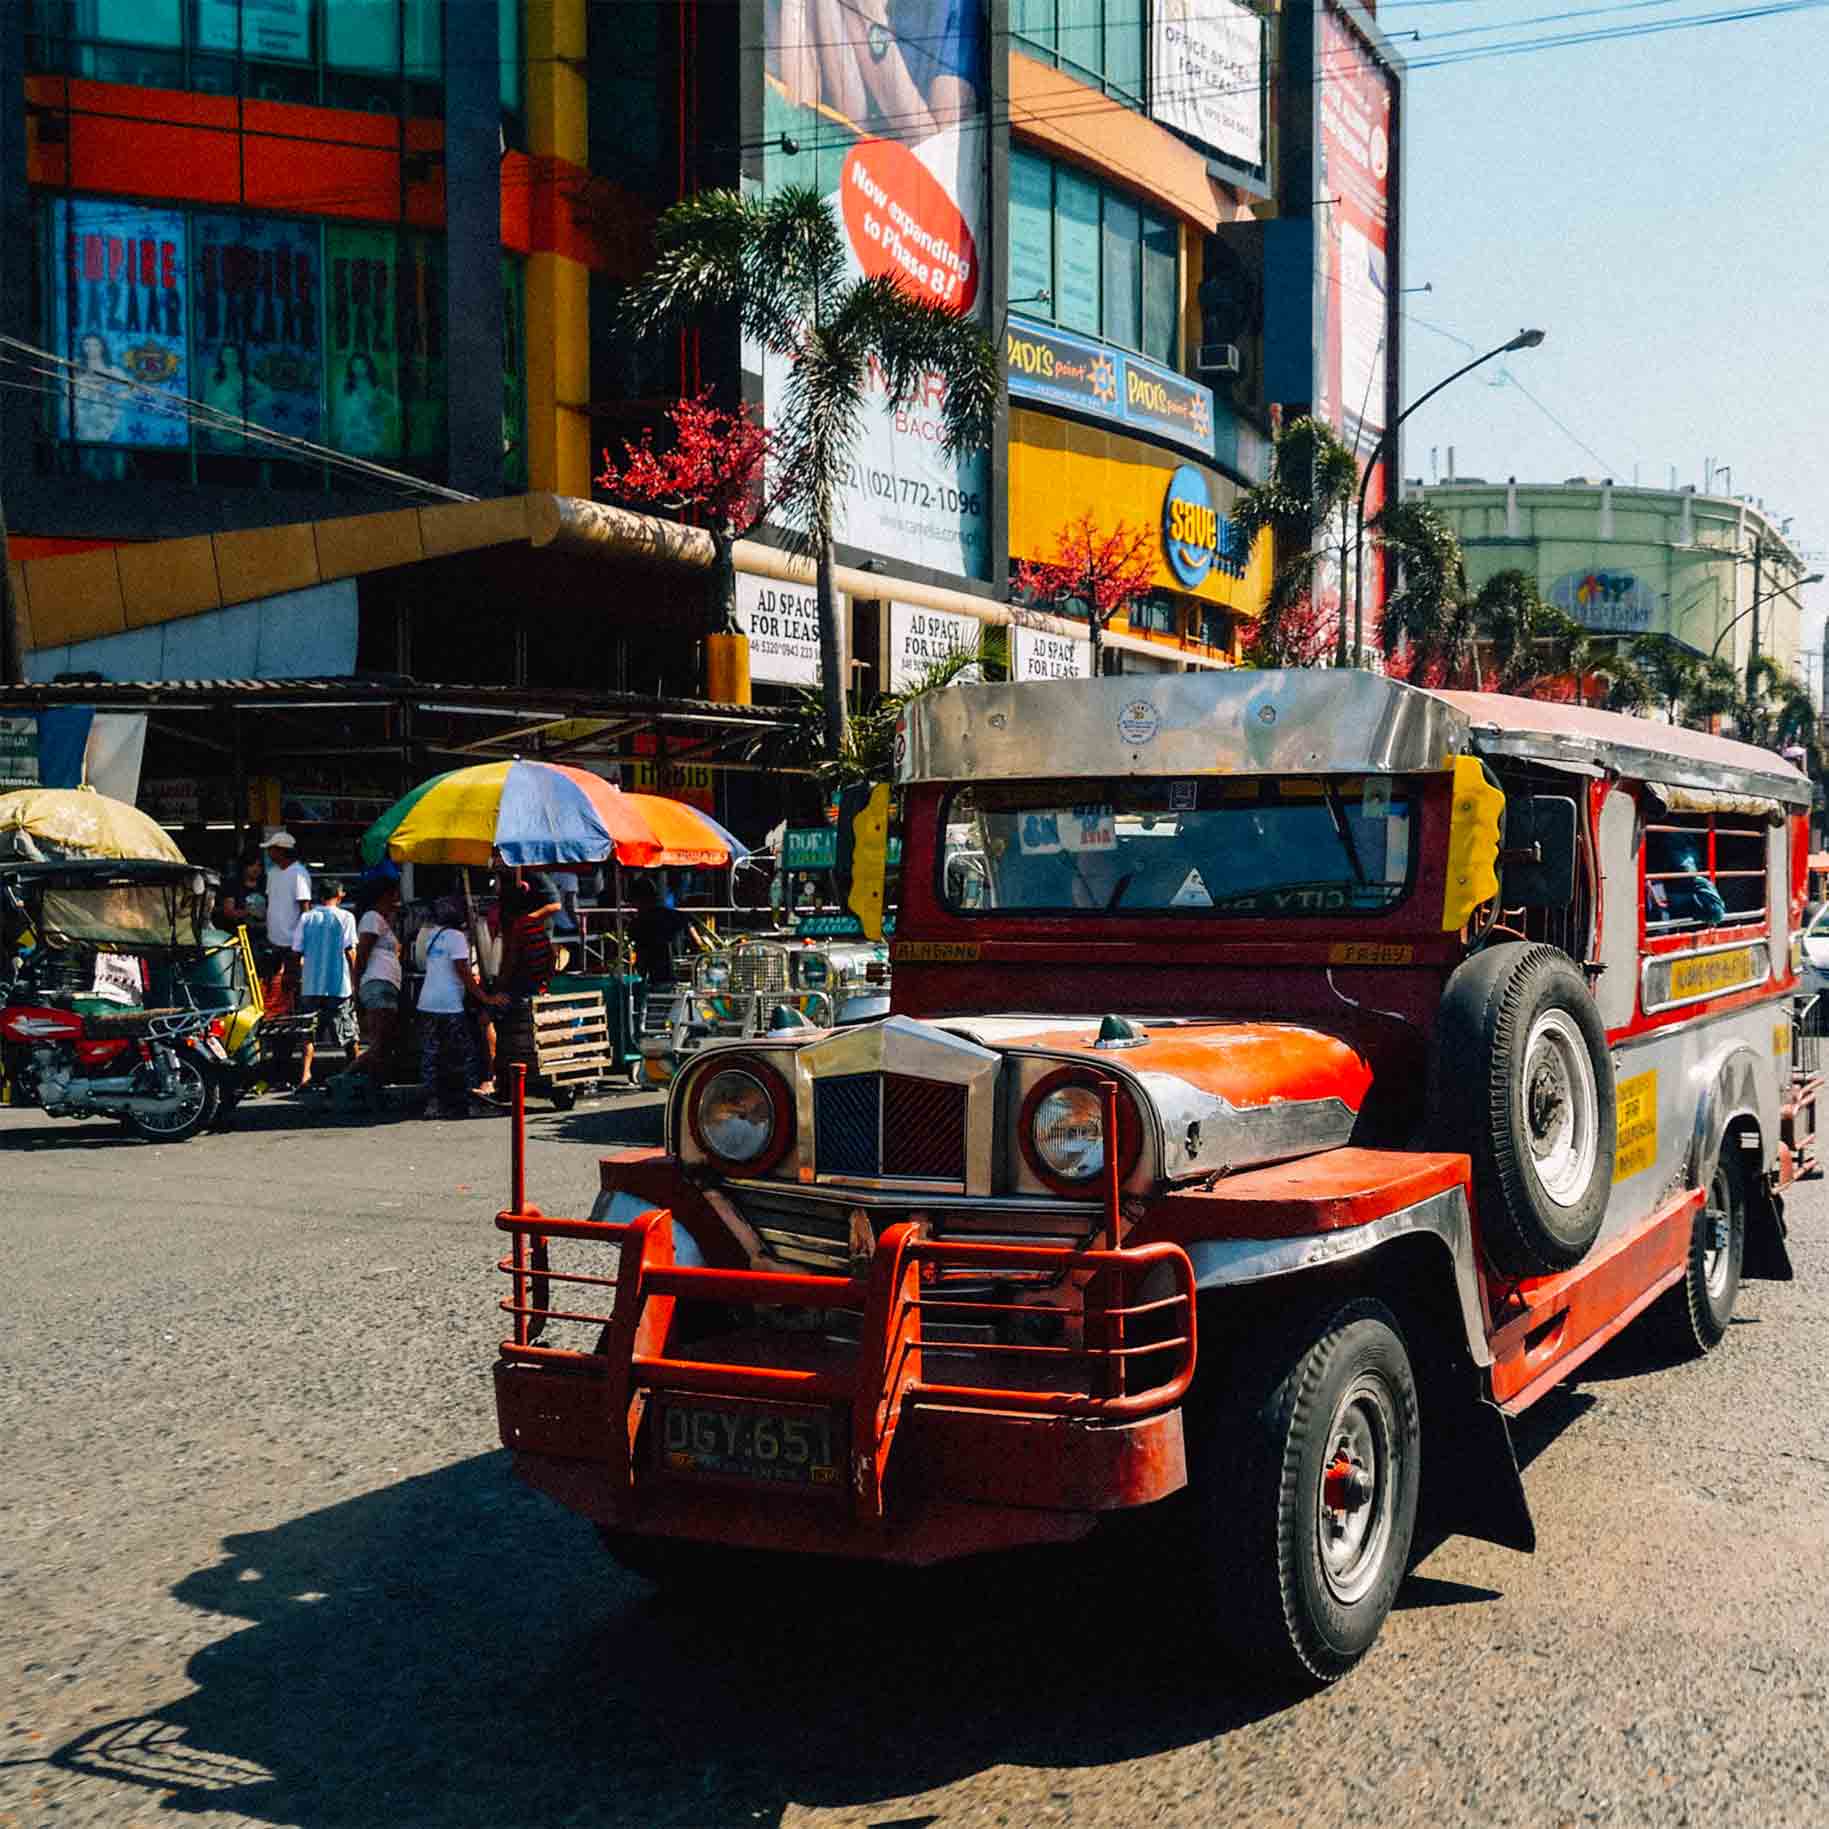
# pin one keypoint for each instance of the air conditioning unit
(1220, 359)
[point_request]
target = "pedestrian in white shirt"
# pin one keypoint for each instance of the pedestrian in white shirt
(447, 1042)
(288, 892)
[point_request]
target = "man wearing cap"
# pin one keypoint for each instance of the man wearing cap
(288, 893)
(288, 900)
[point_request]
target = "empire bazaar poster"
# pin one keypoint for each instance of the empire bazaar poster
(120, 317)
(255, 316)
(385, 372)
(887, 116)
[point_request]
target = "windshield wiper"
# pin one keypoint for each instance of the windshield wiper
(1337, 813)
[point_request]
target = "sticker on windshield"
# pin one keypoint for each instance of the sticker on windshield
(1089, 829)
(1139, 721)
(1184, 796)
(1192, 893)
(1039, 834)
(1375, 803)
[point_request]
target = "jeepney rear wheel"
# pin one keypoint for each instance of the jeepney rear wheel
(1308, 1498)
(1524, 1082)
(1693, 1317)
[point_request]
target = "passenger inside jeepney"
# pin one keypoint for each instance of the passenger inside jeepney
(1679, 892)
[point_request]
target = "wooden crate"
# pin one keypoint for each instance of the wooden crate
(564, 1038)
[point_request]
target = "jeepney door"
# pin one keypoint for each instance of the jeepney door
(1615, 992)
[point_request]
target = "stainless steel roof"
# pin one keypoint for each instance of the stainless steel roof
(1251, 722)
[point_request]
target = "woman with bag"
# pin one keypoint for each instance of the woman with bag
(447, 1045)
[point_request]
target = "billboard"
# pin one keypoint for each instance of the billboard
(119, 314)
(1042, 363)
(1354, 286)
(919, 638)
(887, 120)
(1207, 75)
(362, 353)
(255, 310)
(782, 623)
(1037, 655)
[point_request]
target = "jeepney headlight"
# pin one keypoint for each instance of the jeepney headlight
(739, 1115)
(1062, 1130)
(1069, 1133)
(735, 1116)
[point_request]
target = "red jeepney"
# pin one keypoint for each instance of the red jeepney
(1315, 1072)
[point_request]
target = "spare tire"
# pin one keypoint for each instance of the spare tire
(1523, 1082)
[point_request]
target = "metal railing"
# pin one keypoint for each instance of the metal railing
(1120, 1359)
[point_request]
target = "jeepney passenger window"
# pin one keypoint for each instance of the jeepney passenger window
(1703, 870)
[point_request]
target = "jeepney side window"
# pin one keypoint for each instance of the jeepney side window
(1703, 870)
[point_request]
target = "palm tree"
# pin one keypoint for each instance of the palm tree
(778, 264)
(1526, 639)
(1311, 481)
(1715, 693)
(1431, 614)
(868, 752)
(1671, 670)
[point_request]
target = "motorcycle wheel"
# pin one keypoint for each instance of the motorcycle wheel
(198, 1095)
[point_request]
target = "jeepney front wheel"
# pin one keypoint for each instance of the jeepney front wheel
(1309, 1498)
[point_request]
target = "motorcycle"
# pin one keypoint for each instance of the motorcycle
(85, 938)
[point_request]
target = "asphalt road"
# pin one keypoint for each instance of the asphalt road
(261, 1562)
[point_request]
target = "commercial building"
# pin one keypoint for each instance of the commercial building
(313, 345)
(1639, 561)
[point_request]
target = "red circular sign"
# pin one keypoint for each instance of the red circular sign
(902, 222)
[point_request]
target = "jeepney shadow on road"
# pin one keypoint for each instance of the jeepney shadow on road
(437, 1652)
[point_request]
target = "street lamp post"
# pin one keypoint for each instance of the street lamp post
(1752, 610)
(1525, 339)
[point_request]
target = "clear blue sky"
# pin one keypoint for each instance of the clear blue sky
(1656, 205)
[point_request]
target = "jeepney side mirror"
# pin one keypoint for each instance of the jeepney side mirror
(1539, 854)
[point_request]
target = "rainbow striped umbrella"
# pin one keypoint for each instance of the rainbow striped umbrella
(542, 813)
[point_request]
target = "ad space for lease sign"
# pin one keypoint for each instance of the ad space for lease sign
(889, 124)
(919, 637)
(1038, 656)
(782, 623)
(1207, 75)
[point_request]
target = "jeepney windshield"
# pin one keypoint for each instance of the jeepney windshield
(1307, 845)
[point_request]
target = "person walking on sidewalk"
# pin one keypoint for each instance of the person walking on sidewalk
(378, 982)
(447, 1047)
(326, 945)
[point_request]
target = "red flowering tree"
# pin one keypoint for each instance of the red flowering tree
(1293, 632)
(715, 471)
(1102, 572)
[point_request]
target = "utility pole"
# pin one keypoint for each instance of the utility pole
(1752, 656)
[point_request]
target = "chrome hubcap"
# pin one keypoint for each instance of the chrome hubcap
(1353, 1518)
(1559, 1107)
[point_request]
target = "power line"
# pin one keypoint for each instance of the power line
(67, 380)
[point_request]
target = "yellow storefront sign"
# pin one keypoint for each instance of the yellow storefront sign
(1637, 1142)
(1708, 973)
(1060, 469)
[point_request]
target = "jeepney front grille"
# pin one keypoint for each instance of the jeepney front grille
(889, 1125)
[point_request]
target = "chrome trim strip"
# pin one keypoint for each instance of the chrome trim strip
(1224, 1263)
(1759, 946)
